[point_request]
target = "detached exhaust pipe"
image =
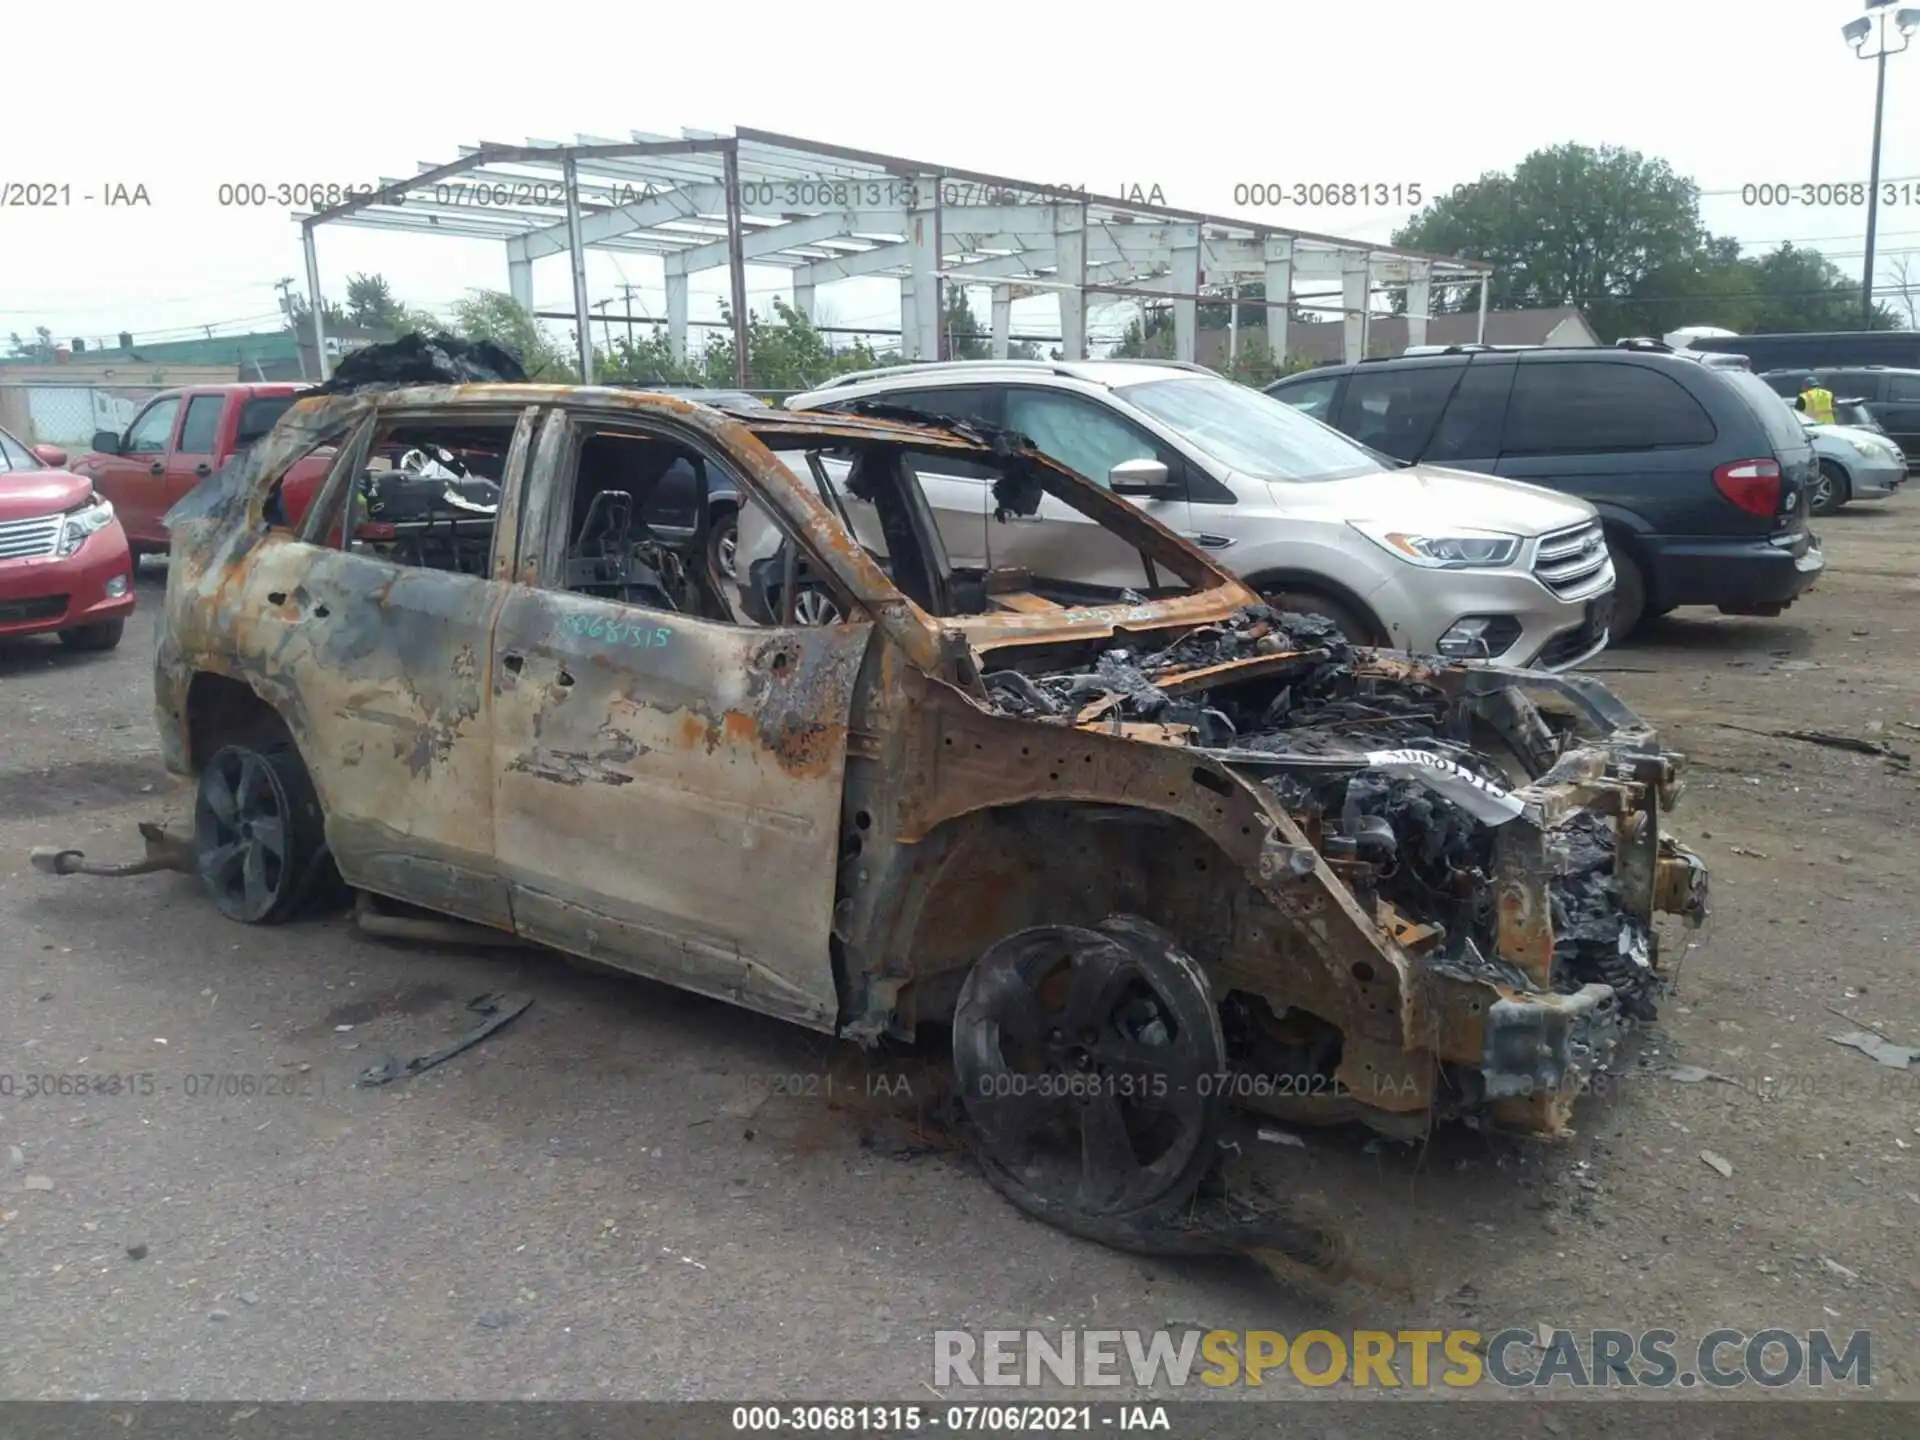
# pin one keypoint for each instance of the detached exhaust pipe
(165, 851)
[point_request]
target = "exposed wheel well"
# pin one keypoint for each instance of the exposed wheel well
(998, 871)
(1311, 584)
(220, 711)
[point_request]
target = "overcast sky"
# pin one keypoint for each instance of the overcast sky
(1195, 100)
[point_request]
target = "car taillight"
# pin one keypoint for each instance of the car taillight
(1753, 485)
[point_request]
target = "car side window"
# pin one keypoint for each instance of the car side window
(1310, 397)
(1395, 408)
(197, 431)
(1903, 387)
(610, 547)
(1583, 407)
(1079, 434)
(429, 494)
(1470, 429)
(152, 429)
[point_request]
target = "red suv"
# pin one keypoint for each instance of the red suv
(64, 562)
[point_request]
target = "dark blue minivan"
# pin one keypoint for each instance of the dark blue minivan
(1700, 475)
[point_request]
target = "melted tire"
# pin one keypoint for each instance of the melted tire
(1122, 973)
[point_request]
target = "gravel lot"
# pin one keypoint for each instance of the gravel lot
(602, 1201)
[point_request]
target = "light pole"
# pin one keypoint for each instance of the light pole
(1856, 32)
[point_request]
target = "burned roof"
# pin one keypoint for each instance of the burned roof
(416, 359)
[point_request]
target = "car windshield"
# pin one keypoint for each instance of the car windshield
(1256, 434)
(15, 456)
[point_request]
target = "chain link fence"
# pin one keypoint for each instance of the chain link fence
(68, 415)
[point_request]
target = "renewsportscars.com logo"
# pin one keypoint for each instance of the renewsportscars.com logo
(1400, 1359)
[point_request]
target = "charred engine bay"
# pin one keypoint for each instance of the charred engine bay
(1337, 748)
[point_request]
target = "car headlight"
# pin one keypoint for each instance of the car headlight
(82, 521)
(1459, 549)
(1864, 447)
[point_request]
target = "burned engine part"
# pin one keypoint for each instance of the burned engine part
(1594, 940)
(1403, 785)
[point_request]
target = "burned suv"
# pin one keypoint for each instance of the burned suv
(1147, 860)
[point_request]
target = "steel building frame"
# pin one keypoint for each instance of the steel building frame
(827, 213)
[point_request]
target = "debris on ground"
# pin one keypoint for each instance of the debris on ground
(1881, 1049)
(417, 359)
(1852, 743)
(496, 1010)
(1718, 1163)
(36, 1182)
(1695, 1074)
(165, 851)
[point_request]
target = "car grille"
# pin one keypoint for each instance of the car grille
(44, 607)
(1567, 560)
(21, 539)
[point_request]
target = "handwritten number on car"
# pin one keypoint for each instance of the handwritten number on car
(616, 632)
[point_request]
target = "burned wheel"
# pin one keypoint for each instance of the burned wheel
(258, 834)
(1088, 1062)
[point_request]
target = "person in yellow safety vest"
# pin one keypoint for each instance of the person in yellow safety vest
(1817, 401)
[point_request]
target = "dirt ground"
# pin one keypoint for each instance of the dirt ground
(609, 1200)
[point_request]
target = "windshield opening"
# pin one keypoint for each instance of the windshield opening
(1254, 433)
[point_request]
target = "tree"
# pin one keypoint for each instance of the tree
(784, 352)
(1799, 289)
(651, 361)
(40, 348)
(1572, 225)
(372, 306)
(495, 315)
(1906, 276)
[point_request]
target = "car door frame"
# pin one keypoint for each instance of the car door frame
(617, 726)
(133, 481)
(976, 546)
(395, 732)
(187, 468)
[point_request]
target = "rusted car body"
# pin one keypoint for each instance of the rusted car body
(833, 824)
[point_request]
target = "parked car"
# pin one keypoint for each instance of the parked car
(1814, 349)
(1700, 477)
(65, 567)
(1854, 464)
(1891, 397)
(177, 440)
(1076, 834)
(1421, 559)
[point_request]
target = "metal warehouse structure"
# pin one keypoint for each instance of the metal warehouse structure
(828, 213)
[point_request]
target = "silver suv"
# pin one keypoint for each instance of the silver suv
(1416, 557)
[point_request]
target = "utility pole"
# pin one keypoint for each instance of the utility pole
(1906, 21)
(626, 291)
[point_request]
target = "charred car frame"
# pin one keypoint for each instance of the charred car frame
(1150, 855)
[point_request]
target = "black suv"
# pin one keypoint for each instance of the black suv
(1700, 475)
(1891, 397)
